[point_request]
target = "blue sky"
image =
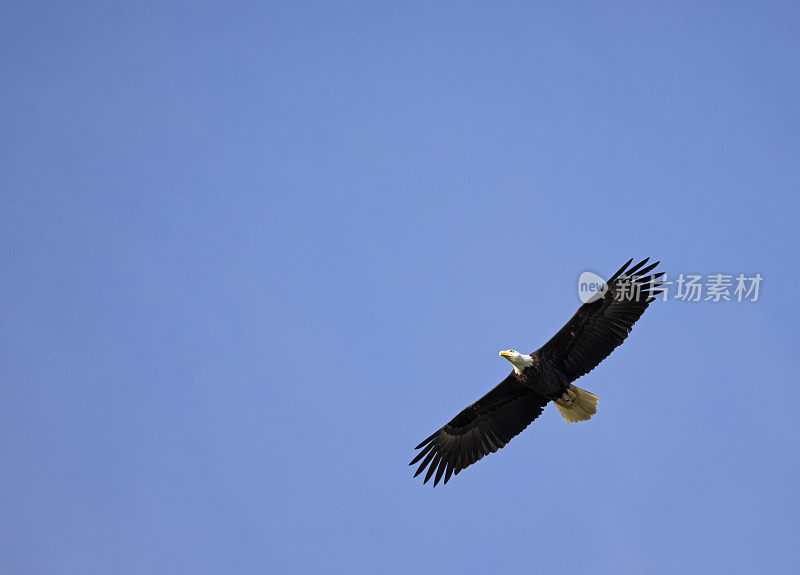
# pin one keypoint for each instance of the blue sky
(253, 254)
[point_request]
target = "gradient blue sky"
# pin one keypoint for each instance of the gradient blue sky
(252, 255)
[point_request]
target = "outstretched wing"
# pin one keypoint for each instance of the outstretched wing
(480, 429)
(603, 323)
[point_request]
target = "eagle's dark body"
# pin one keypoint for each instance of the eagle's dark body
(543, 377)
(590, 336)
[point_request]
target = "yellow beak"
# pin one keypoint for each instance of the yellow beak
(505, 354)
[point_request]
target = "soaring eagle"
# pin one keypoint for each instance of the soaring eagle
(546, 375)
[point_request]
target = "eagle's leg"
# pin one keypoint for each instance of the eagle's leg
(567, 398)
(576, 404)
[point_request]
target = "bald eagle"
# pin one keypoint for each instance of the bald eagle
(596, 329)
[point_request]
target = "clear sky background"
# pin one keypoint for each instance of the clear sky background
(252, 255)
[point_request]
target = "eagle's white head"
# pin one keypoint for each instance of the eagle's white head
(519, 360)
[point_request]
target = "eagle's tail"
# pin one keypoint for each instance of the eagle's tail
(580, 406)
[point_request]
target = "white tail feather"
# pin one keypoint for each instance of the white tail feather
(582, 407)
